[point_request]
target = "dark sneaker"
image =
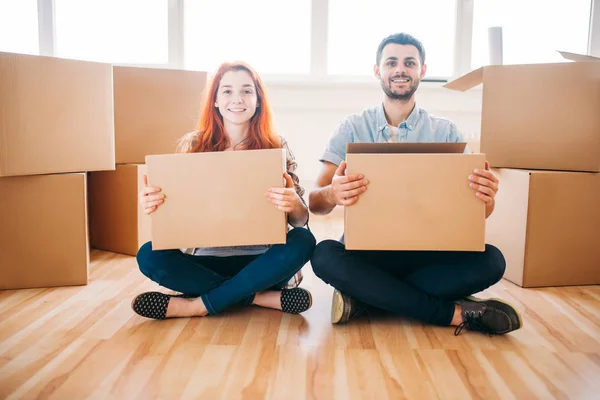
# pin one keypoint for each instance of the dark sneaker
(344, 308)
(491, 316)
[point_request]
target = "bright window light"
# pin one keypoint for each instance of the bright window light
(273, 36)
(19, 26)
(114, 31)
(356, 27)
(532, 30)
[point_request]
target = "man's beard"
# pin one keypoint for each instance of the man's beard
(387, 89)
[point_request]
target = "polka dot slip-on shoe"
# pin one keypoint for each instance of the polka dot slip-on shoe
(295, 301)
(153, 304)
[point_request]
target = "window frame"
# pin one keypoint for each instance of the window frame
(318, 41)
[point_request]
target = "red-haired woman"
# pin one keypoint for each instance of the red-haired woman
(236, 116)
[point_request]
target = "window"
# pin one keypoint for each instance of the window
(532, 30)
(356, 28)
(273, 36)
(113, 31)
(19, 26)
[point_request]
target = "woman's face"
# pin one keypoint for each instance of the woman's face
(236, 98)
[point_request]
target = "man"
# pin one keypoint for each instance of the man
(433, 287)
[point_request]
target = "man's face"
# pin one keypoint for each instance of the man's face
(400, 71)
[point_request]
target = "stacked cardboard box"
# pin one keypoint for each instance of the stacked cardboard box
(153, 108)
(541, 131)
(117, 222)
(56, 122)
(73, 140)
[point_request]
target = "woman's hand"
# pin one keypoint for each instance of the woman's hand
(285, 199)
(150, 197)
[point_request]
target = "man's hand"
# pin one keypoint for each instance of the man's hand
(485, 185)
(346, 189)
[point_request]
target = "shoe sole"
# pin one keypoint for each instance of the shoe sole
(338, 307)
(478, 300)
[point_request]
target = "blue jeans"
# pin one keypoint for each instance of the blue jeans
(418, 284)
(225, 281)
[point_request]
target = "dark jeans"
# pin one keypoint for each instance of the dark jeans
(225, 281)
(418, 284)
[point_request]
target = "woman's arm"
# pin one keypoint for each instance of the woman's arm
(289, 199)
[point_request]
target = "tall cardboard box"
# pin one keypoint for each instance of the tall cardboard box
(418, 198)
(153, 109)
(540, 116)
(217, 199)
(43, 231)
(56, 115)
(117, 221)
(547, 225)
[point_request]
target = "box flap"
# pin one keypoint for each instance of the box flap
(466, 81)
(577, 57)
(396, 148)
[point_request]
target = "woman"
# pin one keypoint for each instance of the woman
(236, 116)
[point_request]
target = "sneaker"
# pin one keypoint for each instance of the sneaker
(491, 316)
(344, 308)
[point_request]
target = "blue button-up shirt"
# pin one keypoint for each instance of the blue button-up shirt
(370, 126)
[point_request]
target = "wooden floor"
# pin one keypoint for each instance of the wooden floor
(85, 342)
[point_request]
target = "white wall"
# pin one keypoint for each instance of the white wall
(307, 113)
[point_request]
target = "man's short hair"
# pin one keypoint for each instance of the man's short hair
(401, 38)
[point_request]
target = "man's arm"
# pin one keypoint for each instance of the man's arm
(335, 188)
(320, 199)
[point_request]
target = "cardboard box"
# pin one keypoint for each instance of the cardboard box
(56, 115)
(217, 199)
(547, 225)
(43, 231)
(414, 201)
(153, 109)
(540, 116)
(117, 221)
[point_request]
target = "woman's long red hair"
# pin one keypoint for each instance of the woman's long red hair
(211, 131)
